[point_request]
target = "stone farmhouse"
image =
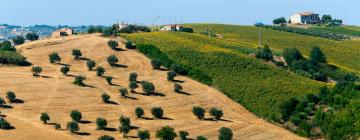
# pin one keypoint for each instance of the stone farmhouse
(63, 32)
(305, 18)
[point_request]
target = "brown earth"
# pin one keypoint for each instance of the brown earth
(55, 94)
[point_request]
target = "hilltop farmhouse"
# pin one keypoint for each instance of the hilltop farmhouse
(305, 18)
(173, 27)
(63, 32)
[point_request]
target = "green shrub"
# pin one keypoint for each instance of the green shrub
(44, 117)
(123, 92)
(10, 57)
(106, 137)
(32, 36)
(133, 76)
(18, 40)
(130, 45)
(216, 113)
(157, 112)
(101, 123)
(155, 64)
(113, 44)
(132, 86)
(264, 53)
(100, 71)
(65, 69)
(76, 115)
(54, 57)
(10, 95)
(171, 75)
(72, 127)
(316, 55)
(177, 88)
(199, 112)
(90, 64)
(148, 87)
(109, 79)
(79, 80)
(36, 70)
(166, 133)
(125, 125)
(183, 135)
(105, 98)
(2, 102)
(144, 135)
(76, 53)
(139, 112)
(112, 60)
(225, 134)
(6, 46)
(292, 54)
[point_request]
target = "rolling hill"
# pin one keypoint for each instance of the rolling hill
(252, 83)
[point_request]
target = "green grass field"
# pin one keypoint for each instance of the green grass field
(344, 54)
(258, 86)
(345, 30)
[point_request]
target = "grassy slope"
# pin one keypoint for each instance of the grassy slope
(259, 87)
(346, 30)
(342, 53)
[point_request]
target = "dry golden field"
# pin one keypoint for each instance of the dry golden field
(55, 94)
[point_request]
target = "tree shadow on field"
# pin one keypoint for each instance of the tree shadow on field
(147, 118)
(6, 106)
(164, 69)
(44, 76)
(119, 49)
(110, 129)
(112, 102)
(3, 116)
(63, 64)
(120, 65)
(214, 120)
(70, 75)
(89, 86)
(24, 64)
(133, 98)
(84, 58)
(184, 93)
(151, 94)
(18, 101)
(133, 137)
(84, 122)
(178, 81)
(83, 133)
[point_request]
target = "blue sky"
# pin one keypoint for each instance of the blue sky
(106, 12)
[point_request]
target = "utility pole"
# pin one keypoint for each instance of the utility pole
(259, 39)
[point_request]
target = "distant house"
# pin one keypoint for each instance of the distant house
(173, 27)
(122, 25)
(63, 32)
(305, 18)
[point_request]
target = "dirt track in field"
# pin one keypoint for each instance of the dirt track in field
(55, 94)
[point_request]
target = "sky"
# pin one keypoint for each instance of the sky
(147, 12)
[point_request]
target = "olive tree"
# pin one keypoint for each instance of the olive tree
(216, 113)
(199, 112)
(64, 69)
(79, 80)
(106, 137)
(183, 135)
(105, 98)
(10, 95)
(177, 88)
(171, 75)
(155, 64)
(2, 102)
(101, 123)
(143, 135)
(36, 70)
(123, 92)
(225, 134)
(112, 60)
(109, 79)
(166, 133)
(157, 112)
(76, 115)
(139, 112)
(18, 40)
(113, 44)
(148, 87)
(100, 71)
(90, 64)
(72, 127)
(54, 57)
(132, 86)
(32, 36)
(125, 125)
(44, 117)
(76, 53)
(133, 76)
(4, 124)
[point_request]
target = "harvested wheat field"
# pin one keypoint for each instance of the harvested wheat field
(56, 94)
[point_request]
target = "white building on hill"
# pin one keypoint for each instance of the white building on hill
(305, 18)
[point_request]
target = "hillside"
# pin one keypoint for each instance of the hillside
(341, 53)
(253, 82)
(260, 87)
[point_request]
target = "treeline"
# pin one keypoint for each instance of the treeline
(311, 32)
(8, 54)
(331, 113)
(114, 30)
